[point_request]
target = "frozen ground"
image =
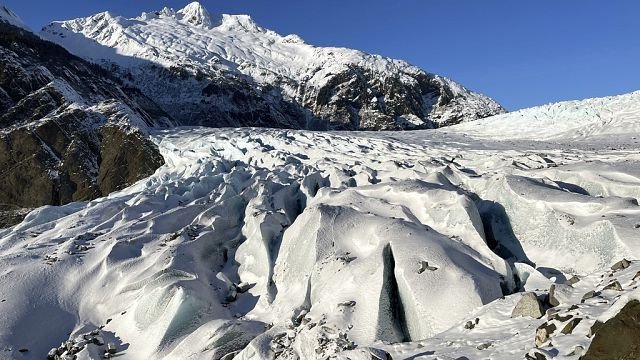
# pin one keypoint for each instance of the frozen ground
(308, 245)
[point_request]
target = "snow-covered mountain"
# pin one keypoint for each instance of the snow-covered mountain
(9, 17)
(510, 237)
(226, 70)
(285, 244)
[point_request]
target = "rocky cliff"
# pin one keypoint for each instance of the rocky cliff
(57, 115)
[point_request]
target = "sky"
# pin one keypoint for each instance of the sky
(521, 53)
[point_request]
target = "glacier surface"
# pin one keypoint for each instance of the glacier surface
(289, 244)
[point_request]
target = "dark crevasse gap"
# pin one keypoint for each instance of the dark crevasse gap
(391, 293)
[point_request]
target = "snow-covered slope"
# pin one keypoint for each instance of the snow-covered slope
(578, 120)
(306, 245)
(282, 78)
(9, 17)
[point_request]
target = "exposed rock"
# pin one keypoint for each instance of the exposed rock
(425, 266)
(622, 264)
(573, 280)
(243, 287)
(589, 295)
(12, 217)
(484, 346)
(568, 328)
(617, 338)
(52, 354)
(529, 305)
(559, 293)
(54, 110)
(577, 351)
(126, 157)
(535, 355)
(469, 325)
(338, 89)
(350, 303)
(543, 333)
(614, 285)
(377, 354)
(561, 318)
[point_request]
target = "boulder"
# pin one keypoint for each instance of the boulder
(622, 264)
(617, 338)
(568, 328)
(543, 333)
(529, 305)
(614, 285)
(535, 356)
(559, 293)
(590, 294)
(425, 266)
(573, 280)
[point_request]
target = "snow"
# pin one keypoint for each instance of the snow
(582, 119)
(308, 244)
(236, 40)
(8, 16)
(235, 45)
(305, 245)
(196, 14)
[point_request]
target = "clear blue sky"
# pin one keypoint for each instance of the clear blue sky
(521, 53)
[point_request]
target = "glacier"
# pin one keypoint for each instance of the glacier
(288, 244)
(263, 243)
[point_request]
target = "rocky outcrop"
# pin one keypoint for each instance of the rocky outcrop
(66, 127)
(617, 338)
(359, 98)
(126, 158)
(10, 216)
(529, 305)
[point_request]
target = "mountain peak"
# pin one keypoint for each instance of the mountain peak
(8, 16)
(239, 22)
(196, 14)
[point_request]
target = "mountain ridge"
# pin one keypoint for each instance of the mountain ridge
(63, 124)
(9, 17)
(280, 78)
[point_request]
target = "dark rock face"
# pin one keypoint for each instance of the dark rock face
(618, 337)
(66, 127)
(216, 100)
(126, 158)
(355, 99)
(361, 99)
(12, 217)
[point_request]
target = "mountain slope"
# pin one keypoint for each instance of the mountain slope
(283, 244)
(228, 71)
(63, 125)
(9, 17)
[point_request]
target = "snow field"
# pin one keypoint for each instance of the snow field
(335, 240)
